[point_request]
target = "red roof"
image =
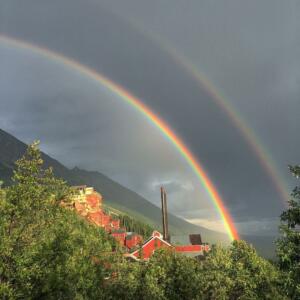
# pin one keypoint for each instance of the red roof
(189, 248)
(156, 242)
(148, 248)
(96, 217)
(115, 224)
(94, 200)
(132, 240)
(119, 237)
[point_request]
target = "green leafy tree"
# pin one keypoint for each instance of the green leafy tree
(166, 275)
(288, 246)
(47, 251)
(238, 272)
(126, 282)
(25, 212)
(177, 275)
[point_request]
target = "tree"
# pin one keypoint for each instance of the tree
(47, 251)
(178, 275)
(288, 246)
(134, 225)
(238, 272)
(26, 210)
(166, 275)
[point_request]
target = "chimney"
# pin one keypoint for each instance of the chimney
(195, 239)
(164, 208)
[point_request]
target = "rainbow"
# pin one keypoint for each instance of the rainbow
(148, 113)
(249, 135)
(240, 123)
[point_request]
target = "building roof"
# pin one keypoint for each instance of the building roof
(188, 250)
(131, 235)
(93, 200)
(155, 236)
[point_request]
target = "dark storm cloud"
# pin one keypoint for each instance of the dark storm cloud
(82, 124)
(242, 55)
(251, 51)
(249, 48)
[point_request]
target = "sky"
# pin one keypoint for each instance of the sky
(247, 50)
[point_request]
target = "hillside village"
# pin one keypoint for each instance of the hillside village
(88, 203)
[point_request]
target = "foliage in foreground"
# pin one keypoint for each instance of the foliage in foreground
(48, 252)
(236, 272)
(288, 246)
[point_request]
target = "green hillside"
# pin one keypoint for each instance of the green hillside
(115, 195)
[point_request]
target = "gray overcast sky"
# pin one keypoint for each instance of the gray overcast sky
(248, 49)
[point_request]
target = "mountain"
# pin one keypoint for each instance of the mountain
(121, 198)
(265, 245)
(115, 195)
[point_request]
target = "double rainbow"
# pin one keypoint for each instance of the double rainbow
(240, 123)
(148, 113)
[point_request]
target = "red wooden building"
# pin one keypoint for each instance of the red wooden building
(133, 240)
(119, 235)
(148, 248)
(192, 248)
(88, 203)
(156, 241)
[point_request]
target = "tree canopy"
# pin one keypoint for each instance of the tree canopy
(288, 246)
(49, 252)
(46, 250)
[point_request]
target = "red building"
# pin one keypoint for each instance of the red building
(156, 241)
(133, 240)
(80, 208)
(115, 224)
(88, 203)
(119, 235)
(98, 218)
(148, 248)
(192, 248)
(94, 201)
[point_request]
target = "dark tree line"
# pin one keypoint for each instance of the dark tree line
(134, 225)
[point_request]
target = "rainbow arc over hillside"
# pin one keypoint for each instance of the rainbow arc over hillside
(219, 98)
(240, 123)
(148, 113)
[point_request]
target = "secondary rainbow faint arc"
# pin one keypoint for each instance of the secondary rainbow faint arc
(249, 135)
(240, 123)
(149, 114)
